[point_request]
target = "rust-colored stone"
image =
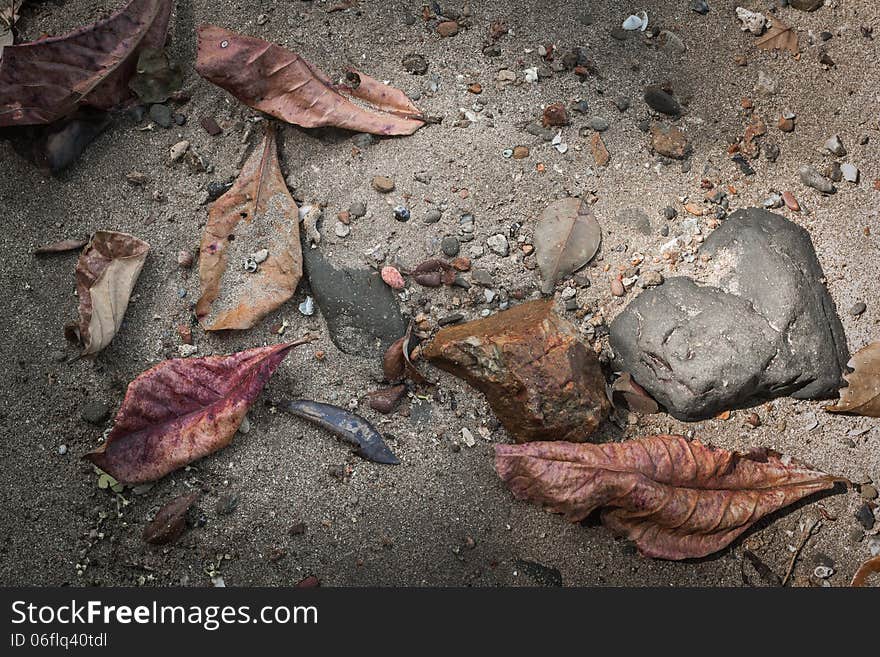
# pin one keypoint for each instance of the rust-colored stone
(668, 140)
(541, 381)
(555, 115)
(600, 152)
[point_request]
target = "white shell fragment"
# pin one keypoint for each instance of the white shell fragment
(752, 21)
(636, 22)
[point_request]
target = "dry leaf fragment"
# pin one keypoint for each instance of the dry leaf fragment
(106, 272)
(675, 499)
(281, 83)
(633, 395)
(170, 521)
(867, 569)
(566, 238)
(862, 393)
(600, 152)
(257, 216)
(779, 37)
(184, 409)
(61, 246)
(45, 80)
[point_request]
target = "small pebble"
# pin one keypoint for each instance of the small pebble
(700, 6)
(185, 259)
(835, 146)
(383, 184)
(160, 115)
(178, 150)
(401, 213)
(450, 246)
(433, 215)
(307, 307)
(865, 516)
(498, 244)
(812, 178)
(341, 229)
(62, 450)
(868, 491)
(393, 278)
(415, 64)
(617, 288)
(849, 172)
(357, 209)
(858, 308)
(95, 412)
(599, 124)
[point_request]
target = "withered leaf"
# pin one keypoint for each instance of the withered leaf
(566, 238)
(281, 83)
(673, 498)
(183, 409)
(62, 246)
(257, 213)
(394, 364)
(870, 567)
(45, 80)
(170, 521)
(862, 392)
(779, 37)
(105, 276)
(633, 395)
(349, 427)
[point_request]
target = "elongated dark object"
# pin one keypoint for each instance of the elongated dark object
(350, 427)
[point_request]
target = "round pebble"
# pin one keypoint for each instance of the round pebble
(450, 246)
(341, 229)
(383, 184)
(401, 213)
(433, 215)
(357, 209)
(858, 308)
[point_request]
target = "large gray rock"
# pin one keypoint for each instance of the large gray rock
(765, 327)
(361, 311)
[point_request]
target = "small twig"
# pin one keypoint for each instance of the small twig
(805, 536)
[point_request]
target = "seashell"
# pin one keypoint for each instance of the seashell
(636, 22)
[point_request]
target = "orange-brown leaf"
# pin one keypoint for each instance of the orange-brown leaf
(184, 409)
(779, 37)
(281, 83)
(862, 393)
(170, 521)
(867, 569)
(257, 213)
(675, 499)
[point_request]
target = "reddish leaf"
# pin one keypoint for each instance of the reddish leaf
(262, 215)
(170, 521)
(281, 83)
(675, 499)
(184, 409)
(45, 80)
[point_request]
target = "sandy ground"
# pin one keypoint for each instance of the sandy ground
(442, 517)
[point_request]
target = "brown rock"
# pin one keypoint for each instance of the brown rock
(617, 288)
(540, 381)
(791, 202)
(385, 400)
(520, 152)
(600, 152)
(669, 140)
(786, 125)
(475, 88)
(383, 184)
(447, 28)
(555, 115)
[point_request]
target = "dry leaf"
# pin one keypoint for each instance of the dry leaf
(184, 409)
(106, 272)
(566, 238)
(60, 247)
(867, 569)
(281, 83)
(394, 363)
(675, 499)
(634, 396)
(170, 521)
(779, 37)
(45, 80)
(256, 214)
(862, 393)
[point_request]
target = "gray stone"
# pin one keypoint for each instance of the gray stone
(849, 172)
(160, 115)
(450, 246)
(482, 277)
(433, 215)
(766, 327)
(498, 244)
(361, 311)
(834, 145)
(660, 101)
(635, 219)
(357, 209)
(363, 140)
(598, 124)
(812, 178)
(95, 412)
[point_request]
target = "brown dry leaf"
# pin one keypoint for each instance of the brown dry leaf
(257, 213)
(673, 498)
(566, 238)
(779, 37)
(281, 83)
(170, 521)
(394, 363)
(61, 246)
(106, 272)
(45, 80)
(600, 152)
(867, 569)
(862, 393)
(634, 396)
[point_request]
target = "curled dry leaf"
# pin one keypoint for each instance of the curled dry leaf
(281, 83)
(45, 80)
(170, 521)
(779, 37)
(394, 364)
(633, 395)
(870, 567)
(105, 276)
(61, 246)
(862, 393)
(566, 238)
(673, 498)
(184, 409)
(257, 213)
(349, 427)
